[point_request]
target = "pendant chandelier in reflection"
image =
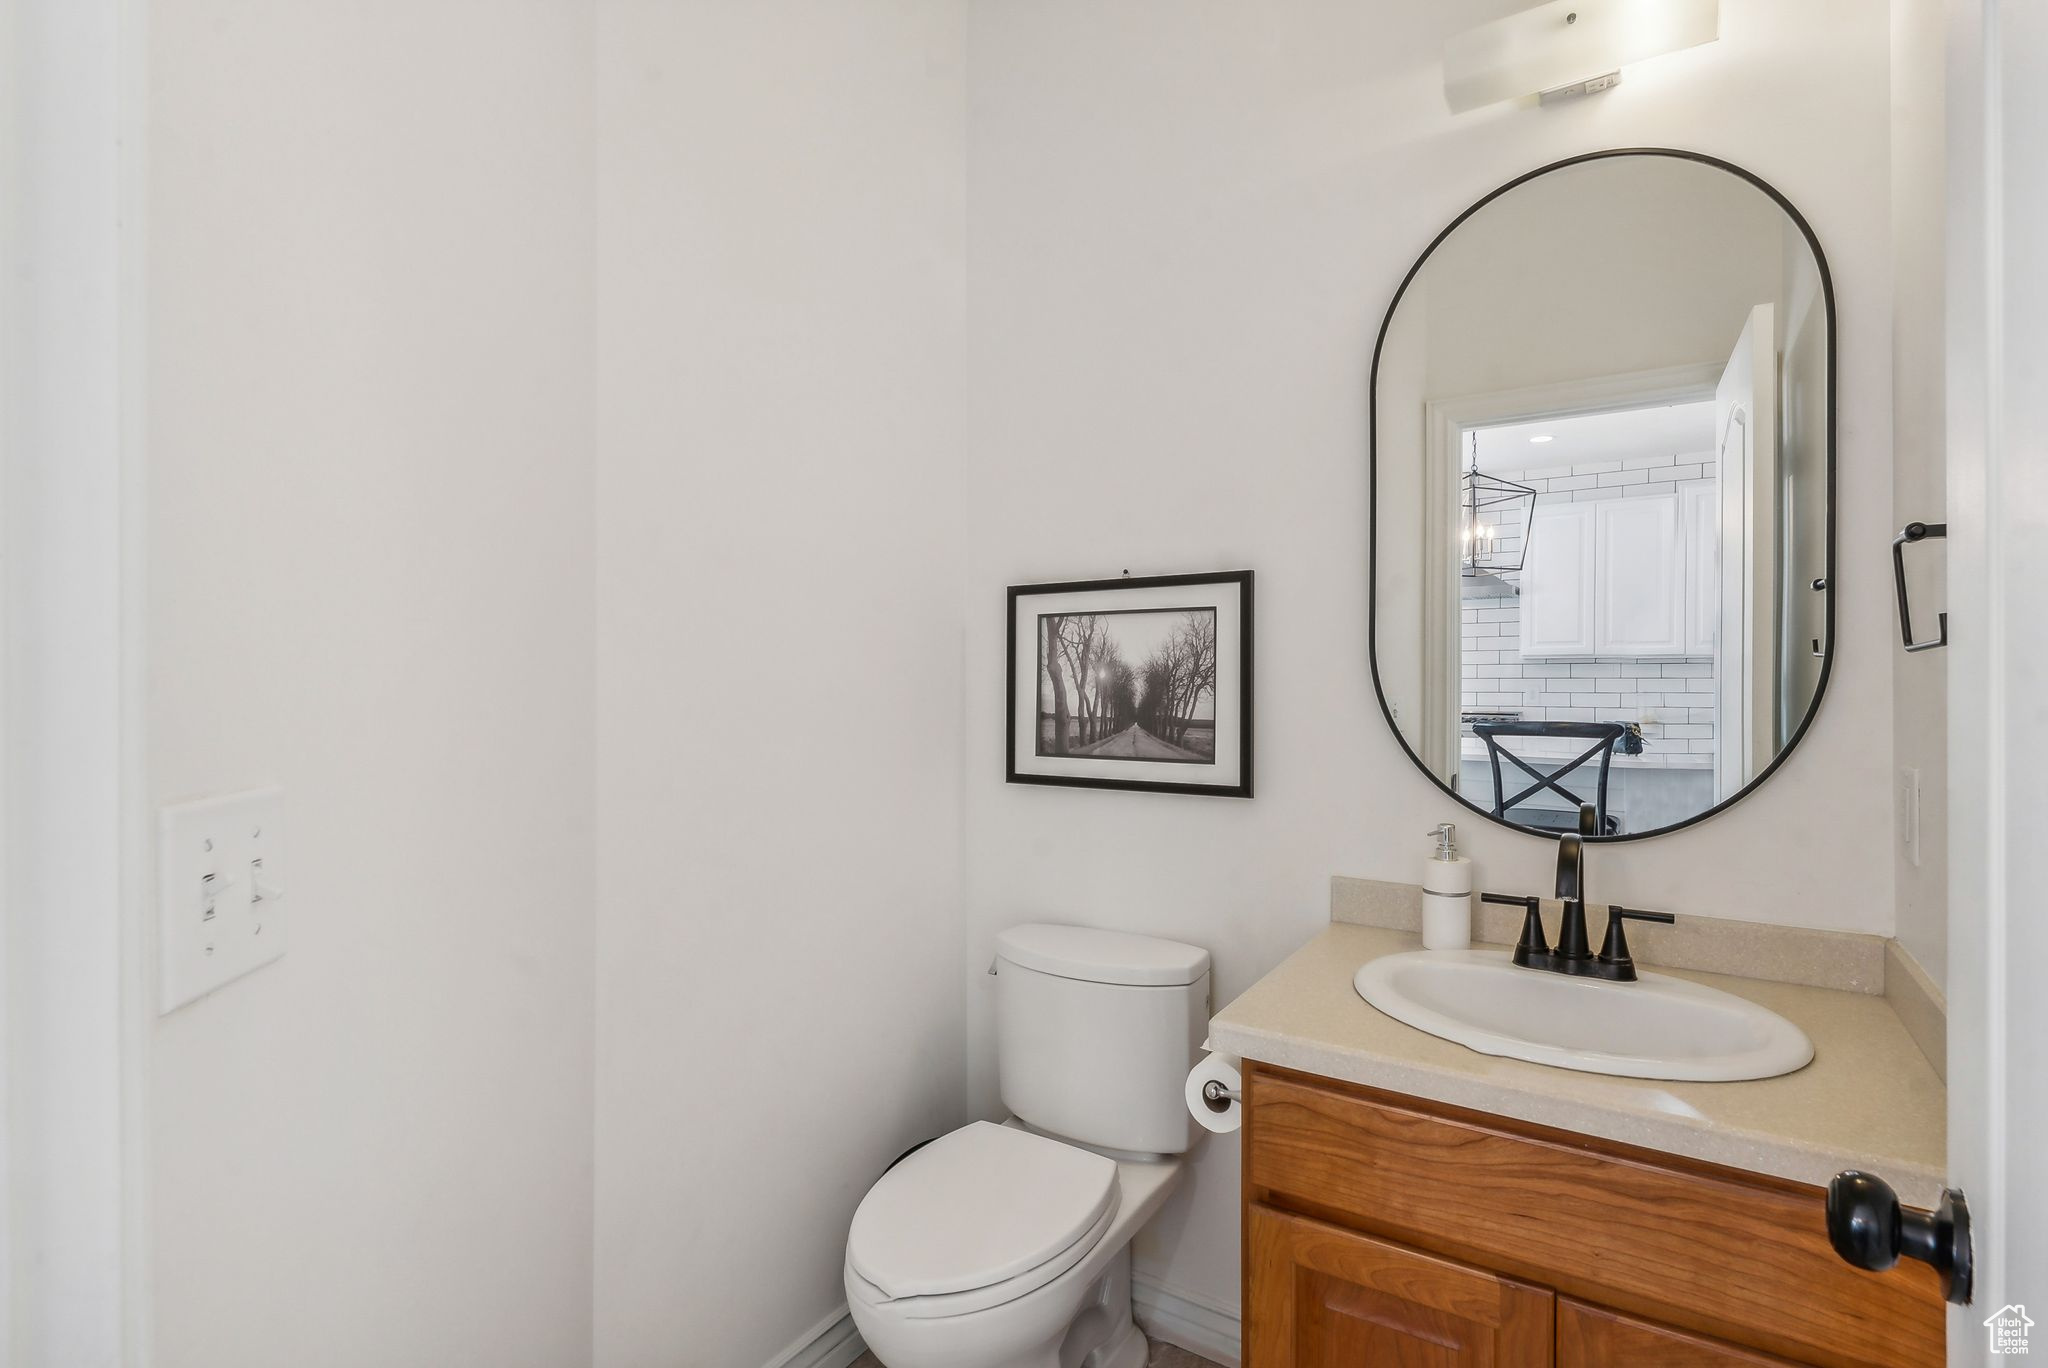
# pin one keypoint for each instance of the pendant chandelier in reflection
(1497, 521)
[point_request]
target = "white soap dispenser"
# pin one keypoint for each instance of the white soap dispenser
(1446, 894)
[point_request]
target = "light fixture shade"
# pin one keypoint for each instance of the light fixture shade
(1568, 41)
(1499, 519)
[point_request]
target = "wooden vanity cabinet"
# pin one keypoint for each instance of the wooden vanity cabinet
(1382, 1230)
(1338, 1299)
(1594, 1337)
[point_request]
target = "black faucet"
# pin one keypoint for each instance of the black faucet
(1572, 955)
(1571, 889)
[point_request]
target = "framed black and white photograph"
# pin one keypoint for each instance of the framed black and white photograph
(1133, 684)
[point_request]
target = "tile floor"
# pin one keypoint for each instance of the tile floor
(1163, 1356)
(1170, 1356)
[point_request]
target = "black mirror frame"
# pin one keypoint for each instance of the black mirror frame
(1827, 665)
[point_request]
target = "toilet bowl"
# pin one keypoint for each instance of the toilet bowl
(1008, 1246)
(1041, 1253)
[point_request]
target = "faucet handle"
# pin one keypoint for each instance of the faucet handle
(1614, 946)
(1533, 941)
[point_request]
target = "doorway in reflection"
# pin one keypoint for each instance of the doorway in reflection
(1592, 602)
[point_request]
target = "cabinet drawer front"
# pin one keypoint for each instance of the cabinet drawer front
(1727, 1255)
(1332, 1298)
(1593, 1337)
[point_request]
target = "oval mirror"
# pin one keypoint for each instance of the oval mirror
(1603, 494)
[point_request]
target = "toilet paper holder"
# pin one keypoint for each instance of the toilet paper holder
(1218, 1098)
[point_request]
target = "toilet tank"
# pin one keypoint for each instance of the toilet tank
(1096, 1032)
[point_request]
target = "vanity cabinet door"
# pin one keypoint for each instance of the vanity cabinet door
(1593, 1337)
(1322, 1297)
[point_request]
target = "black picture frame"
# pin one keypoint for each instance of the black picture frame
(1231, 697)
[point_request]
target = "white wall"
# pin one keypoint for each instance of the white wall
(376, 281)
(69, 1072)
(780, 325)
(1612, 267)
(1920, 682)
(1185, 222)
(369, 530)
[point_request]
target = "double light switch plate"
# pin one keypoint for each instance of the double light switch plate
(220, 875)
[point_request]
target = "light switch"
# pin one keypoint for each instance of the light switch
(220, 891)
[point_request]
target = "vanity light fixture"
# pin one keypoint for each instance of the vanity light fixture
(1569, 47)
(1497, 511)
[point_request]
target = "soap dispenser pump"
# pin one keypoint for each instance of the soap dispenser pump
(1446, 894)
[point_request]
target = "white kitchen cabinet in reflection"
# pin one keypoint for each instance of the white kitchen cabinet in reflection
(1558, 581)
(1619, 577)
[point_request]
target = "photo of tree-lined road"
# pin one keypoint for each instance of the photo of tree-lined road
(1128, 685)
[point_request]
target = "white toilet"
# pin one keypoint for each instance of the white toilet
(1009, 1246)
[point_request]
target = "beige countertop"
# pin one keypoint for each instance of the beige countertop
(1869, 1099)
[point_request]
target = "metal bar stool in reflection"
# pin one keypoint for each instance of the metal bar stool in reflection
(1601, 736)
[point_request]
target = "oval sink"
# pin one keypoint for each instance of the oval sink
(1656, 1027)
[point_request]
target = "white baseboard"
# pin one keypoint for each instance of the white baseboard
(1196, 1324)
(831, 1343)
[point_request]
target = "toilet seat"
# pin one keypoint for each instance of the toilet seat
(979, 1217)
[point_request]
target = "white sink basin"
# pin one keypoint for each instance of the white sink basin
(1656, 1027)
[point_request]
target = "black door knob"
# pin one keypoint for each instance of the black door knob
(1869, 1229)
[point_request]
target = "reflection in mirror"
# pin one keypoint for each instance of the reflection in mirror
(1602, 475)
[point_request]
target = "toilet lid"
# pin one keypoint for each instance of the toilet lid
(977, 1207)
